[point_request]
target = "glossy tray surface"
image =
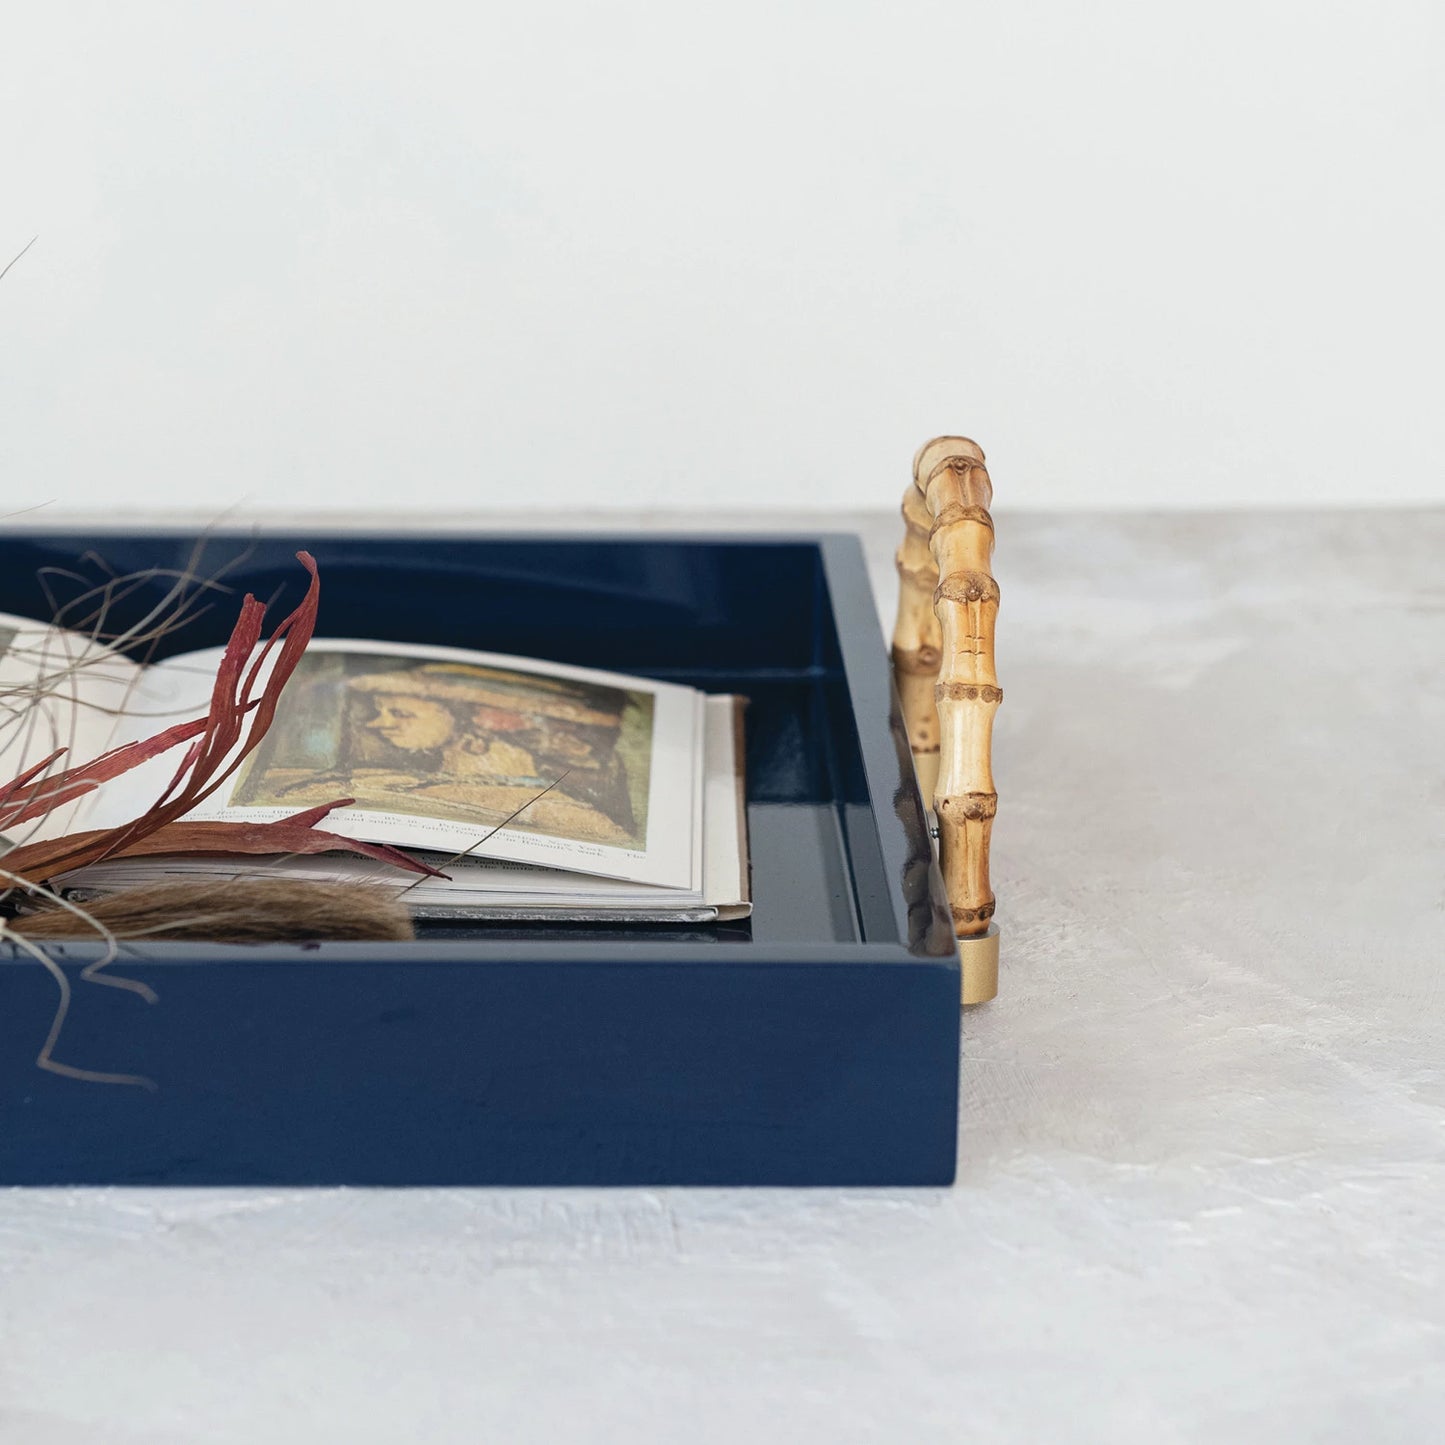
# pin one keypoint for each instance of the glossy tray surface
(816, 1043)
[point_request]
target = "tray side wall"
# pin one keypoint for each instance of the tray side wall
(500, 1073)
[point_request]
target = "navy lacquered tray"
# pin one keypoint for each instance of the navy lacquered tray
(815, 1044)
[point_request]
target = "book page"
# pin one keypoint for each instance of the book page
(441, 747)
(479, 887)
(727, 882)
(58, 690)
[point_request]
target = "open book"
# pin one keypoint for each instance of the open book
(543, 791)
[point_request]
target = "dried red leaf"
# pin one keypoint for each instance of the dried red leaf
(231, 699)
(277, 837)
(22, 803)
(221, 735)
(310, 817)
(16, 784)
(46, 860)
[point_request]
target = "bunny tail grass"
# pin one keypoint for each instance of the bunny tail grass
(260, 910)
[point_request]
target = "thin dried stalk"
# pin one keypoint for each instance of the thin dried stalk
(81, 925)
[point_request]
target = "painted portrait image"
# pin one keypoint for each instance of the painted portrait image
(459, 742)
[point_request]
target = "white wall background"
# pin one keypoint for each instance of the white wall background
(472, 255)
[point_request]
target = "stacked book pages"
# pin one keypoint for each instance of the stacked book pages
(540, 791)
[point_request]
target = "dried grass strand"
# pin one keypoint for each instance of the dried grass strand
(78, 923)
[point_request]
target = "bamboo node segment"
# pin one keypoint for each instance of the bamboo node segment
(924, 577)
(917, 637)
(959, 449)
(973, 806)
(917, 661)
(915, 515)
(954, 460)
(957, 512)
(966, 586)
(968, 478)
(967, 692)
(972, 920)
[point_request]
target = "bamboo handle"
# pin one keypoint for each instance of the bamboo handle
(918, 640)
(951, 732)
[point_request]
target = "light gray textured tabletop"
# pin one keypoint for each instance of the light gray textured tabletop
(1202, 1184)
